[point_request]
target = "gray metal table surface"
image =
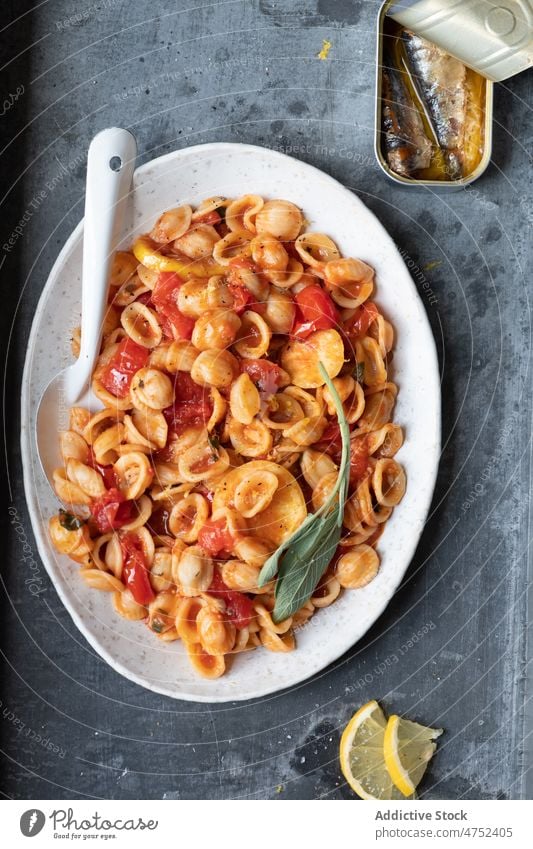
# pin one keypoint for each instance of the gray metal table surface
(451, 648)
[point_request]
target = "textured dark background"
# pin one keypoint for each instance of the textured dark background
(180, 73)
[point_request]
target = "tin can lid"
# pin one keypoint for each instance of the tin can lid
(494, 37)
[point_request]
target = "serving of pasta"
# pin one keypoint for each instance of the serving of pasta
(238, 350)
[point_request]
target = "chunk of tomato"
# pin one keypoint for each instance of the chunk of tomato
(192, 404)
(315, 310)
(242, 297)
(107, 472)
(361, 320)
(239, 607)
(358, 459)
(165, 299)
(146, 299)
(331, 441)
(134, 569)
(265, 375)
(127, 359)
(111, 511)
(215, 538)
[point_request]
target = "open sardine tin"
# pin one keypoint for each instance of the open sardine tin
(432, 105)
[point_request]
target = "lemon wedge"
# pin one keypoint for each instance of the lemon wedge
(361, 755)
(408, 748)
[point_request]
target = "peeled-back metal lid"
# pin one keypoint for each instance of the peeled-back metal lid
(494, 37)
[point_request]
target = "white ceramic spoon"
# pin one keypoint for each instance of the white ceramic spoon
(110, 166)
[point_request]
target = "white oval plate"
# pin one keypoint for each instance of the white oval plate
(189, 176)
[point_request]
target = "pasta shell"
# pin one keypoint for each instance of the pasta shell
(215, 632)
(315, 249)
(241, 213)
(281, 218)
(284, 514)
(198, 242)
(123, 267)
(193, 298)
(215, 368)
(315, 466)
(195, 571)
(215, 329)
(241, 576)
(151, 388)
(210, 205)
(245, 401)
(141, 325)
(250, 440)
(269, 253)
(282, 411)
(129, 291)
(388, 481)
(255, 492)
(231, 246)
(350, 281)
(254, 336)
(134, 474)
(279, 311)
(358, 567)
(172, 224)
(68, 542)
(205, 664)
(73, 445)
(86, 478)
(301, 358)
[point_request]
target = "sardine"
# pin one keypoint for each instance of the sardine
(441, 81)
(407, 147)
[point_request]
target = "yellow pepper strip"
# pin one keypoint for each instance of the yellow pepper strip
(151, 258)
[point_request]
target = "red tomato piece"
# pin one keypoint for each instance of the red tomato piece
(239, 607)
(358, 459)
(215, 538)
(107, 472)
(192, 404)
(331, 441)
(158, 522)
(146, 299)
(111, 511)
(314, 311)
(242, 296)
(134, 571)
(165, 299)
(265, 375)
(361, 320)
(127, 359)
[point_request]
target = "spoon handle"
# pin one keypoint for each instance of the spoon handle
(110, 166)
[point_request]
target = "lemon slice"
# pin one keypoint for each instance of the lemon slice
(361, 755)
(408, 748)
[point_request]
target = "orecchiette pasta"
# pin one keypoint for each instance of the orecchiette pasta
(215, 329)
(218, 433)
(281, 218)
(241, 214)
(245, 401)
(141, 325)
(215, 368)
(172, 224)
